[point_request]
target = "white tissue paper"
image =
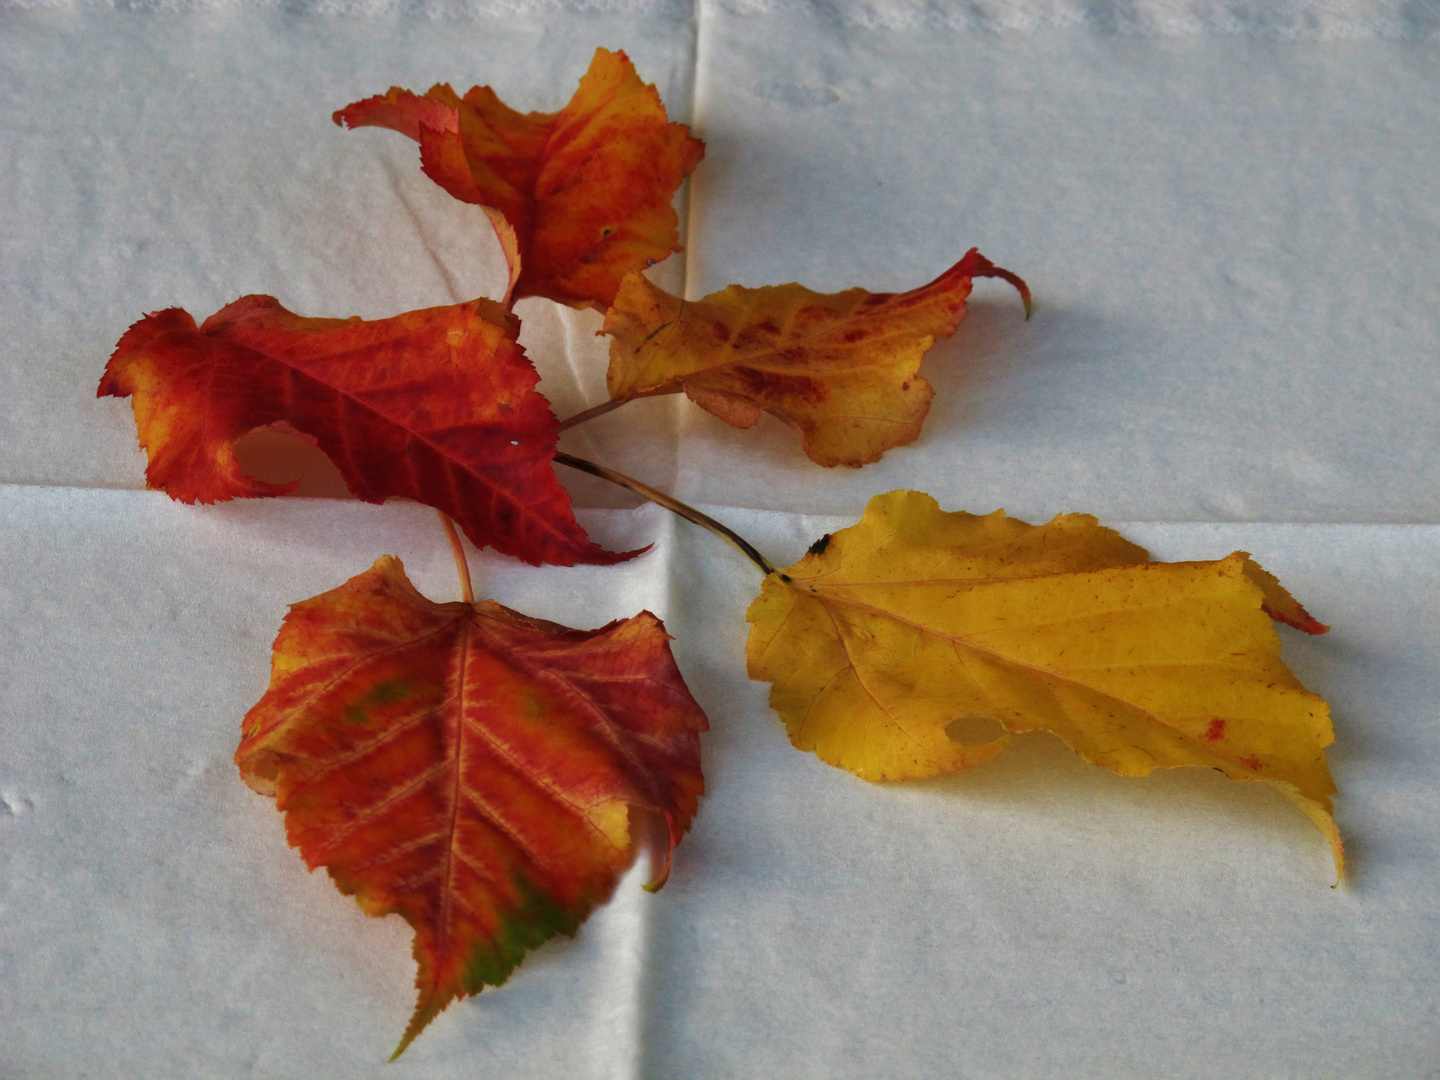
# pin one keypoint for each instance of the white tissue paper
(1228, 214)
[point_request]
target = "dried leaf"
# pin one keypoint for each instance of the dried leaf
(437, 405)
(468, 768)
(587, 190)
(890, 630)
(841, 368)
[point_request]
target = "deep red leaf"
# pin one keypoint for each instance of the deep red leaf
(437, 405)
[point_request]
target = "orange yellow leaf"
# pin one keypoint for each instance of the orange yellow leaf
(437, 405)
(587, 190)
(841, 368)
(468, 768)
(889, 631)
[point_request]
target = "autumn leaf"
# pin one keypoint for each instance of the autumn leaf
(437, 405)
(840, 368)
(586, 190)
(887, 632)
(469, 768)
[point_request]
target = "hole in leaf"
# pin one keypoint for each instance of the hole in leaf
(279, 453)
(974, 730)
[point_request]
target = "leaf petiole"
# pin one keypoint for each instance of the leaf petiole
(592, 412)
(462, 565)
(689, 513)
(614, 403)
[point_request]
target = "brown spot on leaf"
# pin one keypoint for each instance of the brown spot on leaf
(773, 384)
(1216, 730)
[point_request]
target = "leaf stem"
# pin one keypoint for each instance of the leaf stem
(615, 403)
(592, 412)
(689, 513)
(462, 566)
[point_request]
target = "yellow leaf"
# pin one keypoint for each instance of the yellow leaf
(841, 368)
(889, 631)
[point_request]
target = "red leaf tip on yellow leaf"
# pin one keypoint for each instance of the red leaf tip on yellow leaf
(586, 190)
(1279, 604)
(468, 768)
(438, 405)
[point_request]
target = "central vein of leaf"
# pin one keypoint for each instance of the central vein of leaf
(420, 437)
(959, 641)
(457, 740)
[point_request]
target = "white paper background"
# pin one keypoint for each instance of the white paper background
(1228, 214)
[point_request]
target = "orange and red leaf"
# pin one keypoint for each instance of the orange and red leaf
(587, 190)
(437, 405)
(841, 368)
(469, 768)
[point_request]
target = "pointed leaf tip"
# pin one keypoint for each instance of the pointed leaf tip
(1278, 603)
(979, 266)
